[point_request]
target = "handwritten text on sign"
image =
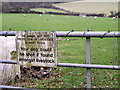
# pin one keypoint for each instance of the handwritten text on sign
(36, 48)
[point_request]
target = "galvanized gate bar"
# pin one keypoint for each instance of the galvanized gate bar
(4, 87)
(89, 66)
(74, 65)
(8, 62)
(72, 34)
(88, 34)
(9, 87)
(7, 33)
(88, 71)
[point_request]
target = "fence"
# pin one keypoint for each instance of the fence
(88, 36)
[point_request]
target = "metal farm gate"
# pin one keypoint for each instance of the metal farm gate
(88, 35)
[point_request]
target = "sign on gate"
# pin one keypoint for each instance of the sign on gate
(36, 48)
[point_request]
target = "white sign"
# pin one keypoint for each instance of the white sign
(36, 48)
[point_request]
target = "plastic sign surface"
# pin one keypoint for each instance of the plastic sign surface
(36, 48)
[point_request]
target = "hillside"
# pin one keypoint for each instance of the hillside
(72, 7)
(89, 7)
(19, 6)
(16, 6)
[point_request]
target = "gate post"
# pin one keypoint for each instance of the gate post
(88, 62)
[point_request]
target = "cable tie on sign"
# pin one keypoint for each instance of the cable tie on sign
(69, 33)
(83, 34)
(6, 34)
(104, 34)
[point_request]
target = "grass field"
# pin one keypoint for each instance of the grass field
(103, 51)
(36, 22)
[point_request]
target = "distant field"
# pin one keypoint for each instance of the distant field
(89, 7)
(36, 22)
(47, 10)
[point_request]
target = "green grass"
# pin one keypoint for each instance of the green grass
(34, 22)
(106, 51)
(73, 78)
(47, 10)
(103, 51)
